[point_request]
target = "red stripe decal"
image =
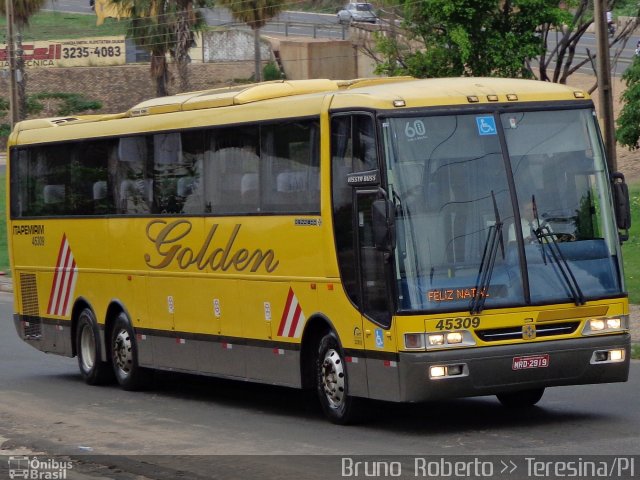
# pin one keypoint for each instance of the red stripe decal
(68, 286)
(63, 281)
(285, 313)
(57, 272)
(296, 319)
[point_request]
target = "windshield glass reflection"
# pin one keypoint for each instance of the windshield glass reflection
(450, 182)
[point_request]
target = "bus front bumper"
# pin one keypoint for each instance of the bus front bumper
(508, 368)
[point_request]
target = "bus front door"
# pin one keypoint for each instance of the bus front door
(379, 339)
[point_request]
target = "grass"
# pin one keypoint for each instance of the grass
(4, 257)
(631, 248)
(631, 255)
(46, 26)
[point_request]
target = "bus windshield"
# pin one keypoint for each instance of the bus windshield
(509, 209)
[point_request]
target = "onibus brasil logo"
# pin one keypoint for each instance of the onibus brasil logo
(38, 469)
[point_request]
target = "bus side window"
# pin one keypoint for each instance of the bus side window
(289, 158)
(89, 183)
(231, 170)
(190, 183)
(167, 156)
(133, 186)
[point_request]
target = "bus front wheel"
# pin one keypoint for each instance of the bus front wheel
(124, 355)
(521, 399)
(332, 386)
(88, 347)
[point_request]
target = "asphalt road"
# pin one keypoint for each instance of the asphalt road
(182, 420)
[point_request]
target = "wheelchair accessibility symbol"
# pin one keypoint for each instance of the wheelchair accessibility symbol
(379, 338)
(486, 125)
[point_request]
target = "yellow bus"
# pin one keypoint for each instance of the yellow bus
(393, 239)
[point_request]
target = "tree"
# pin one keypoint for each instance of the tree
(559, 58)
(161, 28)
(187, 21)
(255, 13)
(468, 37)
(149, 29)
(511, 38)
(628, 131)
(23, 10)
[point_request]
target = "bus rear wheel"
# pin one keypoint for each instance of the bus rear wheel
(521, 399)
(124, 355)
(88, 347)
(332, 383)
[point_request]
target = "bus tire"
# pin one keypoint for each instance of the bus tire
(89, 350)
(332, 383)
(521, 399)
(124, 356)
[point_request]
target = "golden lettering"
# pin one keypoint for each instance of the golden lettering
(169, 247)
(165, 238)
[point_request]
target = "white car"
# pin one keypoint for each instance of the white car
(357, 12)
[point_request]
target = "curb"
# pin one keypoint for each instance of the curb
(6, 284)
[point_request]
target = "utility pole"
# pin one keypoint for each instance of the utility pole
(11, 56)
(605, 93)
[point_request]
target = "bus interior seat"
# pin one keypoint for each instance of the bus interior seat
(134, 193)
(230, 188)
(185, 186)
(291, 188)
(53, 194)
(231, 165)
(100, 190)
(189, 189)
(249, 189)
(288, 182)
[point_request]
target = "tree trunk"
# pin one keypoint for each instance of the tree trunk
(256, 46)
(160, 73)
(183, 44)
(21, 80)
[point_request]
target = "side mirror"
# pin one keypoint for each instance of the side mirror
(621, 204)
(383, 214)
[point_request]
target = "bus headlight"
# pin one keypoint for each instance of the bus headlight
(615, 355)
(446, 371)
(595, 326)
(454, 337)
(613, 323)
(460, 338)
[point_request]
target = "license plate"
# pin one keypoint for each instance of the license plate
(531, 361)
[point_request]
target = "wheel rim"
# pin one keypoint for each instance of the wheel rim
(87, 348)
(122, 352)
(333, 378)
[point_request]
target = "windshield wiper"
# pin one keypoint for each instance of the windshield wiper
(544, 233)
(494, 239)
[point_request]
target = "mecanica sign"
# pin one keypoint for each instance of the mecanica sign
(79, 52)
